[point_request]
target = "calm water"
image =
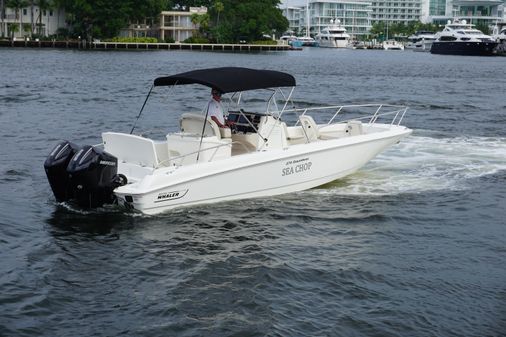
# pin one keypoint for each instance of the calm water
(412, 245)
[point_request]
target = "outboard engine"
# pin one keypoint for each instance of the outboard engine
(56, 169)
(93, 177)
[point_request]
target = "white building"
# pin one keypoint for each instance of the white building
(354, 15)
(486, 12)
(178, 25)
(21, 23)
(292, 14)
(396, 11)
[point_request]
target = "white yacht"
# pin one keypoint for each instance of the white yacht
(392, 45)
(499, 35)
(261, 156)
(421, 41)
(307, 41)
(333, 36)
(462, 38)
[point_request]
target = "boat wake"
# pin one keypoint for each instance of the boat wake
(423, 163)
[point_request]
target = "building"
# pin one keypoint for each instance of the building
(24, 22)
(177, 25)
(354, 15)
(292, 14)
(482, 12)
(396, 11)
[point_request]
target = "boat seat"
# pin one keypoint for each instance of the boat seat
(135, 149)
(310, 127)
(193, 124)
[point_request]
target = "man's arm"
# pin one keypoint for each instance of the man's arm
(218, 122)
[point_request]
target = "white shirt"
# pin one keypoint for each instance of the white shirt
(215, 109)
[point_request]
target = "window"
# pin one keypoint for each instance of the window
(25, 11)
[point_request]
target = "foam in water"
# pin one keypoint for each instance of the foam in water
(420, 163)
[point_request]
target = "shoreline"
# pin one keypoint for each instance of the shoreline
(142, 46)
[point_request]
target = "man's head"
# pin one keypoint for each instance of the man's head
(216, 94)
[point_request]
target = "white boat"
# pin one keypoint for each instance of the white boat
(421, 41)
(392, 45)
(333, 36)
(461, 38)
(307, 41)
(499, 35)
(201, 163)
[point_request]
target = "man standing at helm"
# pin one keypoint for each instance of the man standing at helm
(215, 109)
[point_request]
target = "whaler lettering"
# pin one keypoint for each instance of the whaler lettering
(166, 196)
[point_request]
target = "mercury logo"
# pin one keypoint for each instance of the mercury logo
(108, 163)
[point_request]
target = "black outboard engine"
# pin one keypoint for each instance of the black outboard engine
(56, 169)
(93, 177)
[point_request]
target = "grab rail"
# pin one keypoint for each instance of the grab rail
(373, 113)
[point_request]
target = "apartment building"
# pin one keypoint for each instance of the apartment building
(354, 15)
(20, 23)
(178, 25)
(396, 11)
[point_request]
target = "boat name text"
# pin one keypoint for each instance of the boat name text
(296, 166)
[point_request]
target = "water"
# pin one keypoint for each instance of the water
(412, 245)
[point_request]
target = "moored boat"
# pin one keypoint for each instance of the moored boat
(392, 45)
(261, 155)
(333, 36)
(461, 38)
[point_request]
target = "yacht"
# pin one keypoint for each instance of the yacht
(307, 41)
(461, 38)
(499, 35)
(333, 36)
(421, 41)
(392, 45)
(261, 155)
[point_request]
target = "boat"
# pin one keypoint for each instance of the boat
(421, 41)
(499, 35)
(392, 45)
(333, 36)
(260, 156)
(461, 38)
(307, 41)
(354, 44)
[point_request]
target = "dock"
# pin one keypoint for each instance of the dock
(143, 46)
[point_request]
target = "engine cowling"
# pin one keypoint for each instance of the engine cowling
(56, 169)
(93, 177)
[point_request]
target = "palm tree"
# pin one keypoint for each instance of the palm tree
(2, 18)
(17, 5)
(43, 5)
(218, 7)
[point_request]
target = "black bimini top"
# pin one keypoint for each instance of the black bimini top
(230, 79)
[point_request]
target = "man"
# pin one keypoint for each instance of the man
(215, 109)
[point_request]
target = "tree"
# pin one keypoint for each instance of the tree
(17, 5)
(43, 5)
(249, 19)
(12, 28)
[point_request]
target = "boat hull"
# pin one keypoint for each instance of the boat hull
(256, 175)
(463, 48)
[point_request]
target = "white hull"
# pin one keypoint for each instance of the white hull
(254, 154)
(276, 172)
(333, 43)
